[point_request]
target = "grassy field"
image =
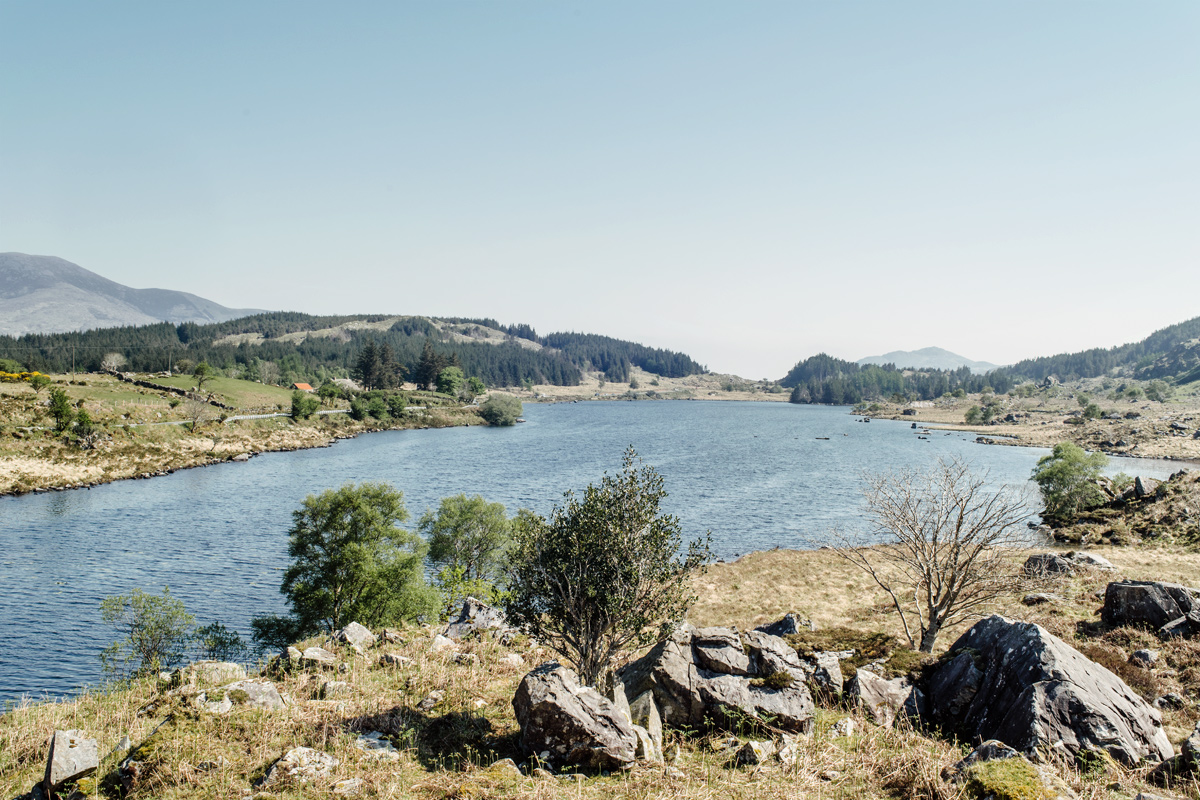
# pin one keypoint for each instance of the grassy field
(237, 393)
(447, 752)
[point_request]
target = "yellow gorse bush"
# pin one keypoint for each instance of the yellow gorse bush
(16, 377)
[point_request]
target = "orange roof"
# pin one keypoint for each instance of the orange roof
(304, 387)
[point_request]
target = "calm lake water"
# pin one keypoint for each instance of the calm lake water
(756, 474)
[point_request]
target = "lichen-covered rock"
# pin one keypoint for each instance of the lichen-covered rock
(72, 757)
(298, 765)
(208, 673)
(317, 657)
(689, 693)
(356, 636)
(565, 724)
(788, 625)
(995, 770)
(885, 700)
(248, 693)
(1019, 684)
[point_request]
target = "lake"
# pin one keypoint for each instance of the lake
(758, 475)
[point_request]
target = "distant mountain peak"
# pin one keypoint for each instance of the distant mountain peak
(47, 294)
(928, 358)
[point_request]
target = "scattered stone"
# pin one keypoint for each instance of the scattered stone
(787, 754)
(513, 660)
(207, 673)
(884, 699)
(250, 693)
(394, 660)
(392, 636)
(334, 689)
(1144, 658)
(542, 774)
(241, 457)
(790, 624)
(212, 766)
(753, 753)
(1040, 598)
(431, 700)
(300, 765)
(355, 635)
(1031, 780)
(566, 724)
(317, 657)
(72, 757)
(1045, 564)
(842, 728)
(1185, 627)
(1172, 700)
(1082, 558)
(470, 659)
(1018, 683)
(829, 775)
(991, 750)
(506, 765)
(477, 616)
(442, 643)
(347, 787)
(375, 746)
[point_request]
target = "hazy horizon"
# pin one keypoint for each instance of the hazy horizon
(748, 184)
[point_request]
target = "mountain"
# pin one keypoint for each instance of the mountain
(928, 358)
(1166, 353)
(45, 294)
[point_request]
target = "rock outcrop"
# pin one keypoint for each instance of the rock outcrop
(356, 636)
(477, 616)
(564, 724)
(885, 700)
(1171, 609)
(248, 693)
(1019, 684)
(721, 676)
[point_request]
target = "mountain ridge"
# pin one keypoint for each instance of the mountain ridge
(928, 358)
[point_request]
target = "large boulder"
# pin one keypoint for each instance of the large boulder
(477, 616)
(721, 676)
(884, 700)
(359, 637)
(565, 724)
(1018, 683)
(72, 757)
(1146, 603)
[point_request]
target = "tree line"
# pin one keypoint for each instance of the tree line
(832, 381)
(1134, 357)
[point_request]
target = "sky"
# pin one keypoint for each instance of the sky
(747, 182)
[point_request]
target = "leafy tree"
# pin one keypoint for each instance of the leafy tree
(219, 643)
(1158, 391)
(329, 392)
(38, 382)
(304, 405)
(476, 386)
(950, 553)
(157, 632)
(1067, 480)
(501, 409)
(61, 409)
(202, 373)
(604, 573)
(468, 538)
(358, 410)
(973, 416)
(351, 562)
(450, 381)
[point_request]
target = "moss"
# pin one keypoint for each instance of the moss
(776, 680)
(1006, 779)
(238, 697)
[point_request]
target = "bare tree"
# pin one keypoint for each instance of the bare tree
(197, 412)
(948, 545)
(112, 362)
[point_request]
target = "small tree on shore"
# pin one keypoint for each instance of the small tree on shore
(605, 573)
(947, 545)
(61, 410)
(468, 538)
(1067, 480)
(157, 632)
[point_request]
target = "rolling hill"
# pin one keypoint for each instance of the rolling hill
(928, 358)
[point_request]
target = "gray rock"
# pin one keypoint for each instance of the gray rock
(753, 753)
(990, 750)
(688, 694)
(376, 747)
(1040, 598)
(241, 457)
(431, 700)
(442, 643)
(477, 616)
(720, 650)
(842, 728)
(208, 673)
(318, 657)
(513, 660)
(884, 700)
(334, 689)
(1186, 627)
(1172, 700)
(249, 693)
(1019, 684)
(72, 757)
(1042, 565)
(298, 765)
(394, 660)
(1082, 558)
(643, 712)
(1144, 658)
(1145, 603)
(356, 636)
(566, 724)
(788, 625)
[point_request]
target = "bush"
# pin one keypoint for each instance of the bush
(973, 416)
(605, 574)
(501, 409)
(468, 539)
(61, 410)
(1066, 479)
(358, 410)
(157, 633)
(351, 562)
(304, 405)
(218, 643)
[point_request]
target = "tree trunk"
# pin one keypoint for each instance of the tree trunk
(929, 637)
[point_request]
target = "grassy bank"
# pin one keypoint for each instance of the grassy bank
(447, 751)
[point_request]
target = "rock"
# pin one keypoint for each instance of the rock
(1190, 751)
(1045, 564)
(842, 728)
(1186, 627)
(1145, 603)
(469, 659)
(824, 672)
(251, 693)
(506, 765)
(566, 724)
(788, 625)
(376, 747)
(1040, 598)
(1026, 780)
(643, 712)
(431, 700)
(1172, 700)
(513, 660)
(299, 765)
(392, 636)
(646, 748)
(334, 689)
(442, 643)
(347, 787)
(241, 457)
(1082, 558)
(1144, 487)
(720, 650)
(394, 660)
(208, 673)
(72, 757)
(1019, 684)
(753, 753)
(477, 616)
(356, 636)
(990, 750)
(317, 657)
(1144, 658)
(689, 694)
(884, 700)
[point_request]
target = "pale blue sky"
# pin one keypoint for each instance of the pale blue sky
(748, 182)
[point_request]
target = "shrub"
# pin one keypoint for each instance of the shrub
(304, 405)
(501, 409)
(157, 632)
(468, 538)
(1066, 479)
